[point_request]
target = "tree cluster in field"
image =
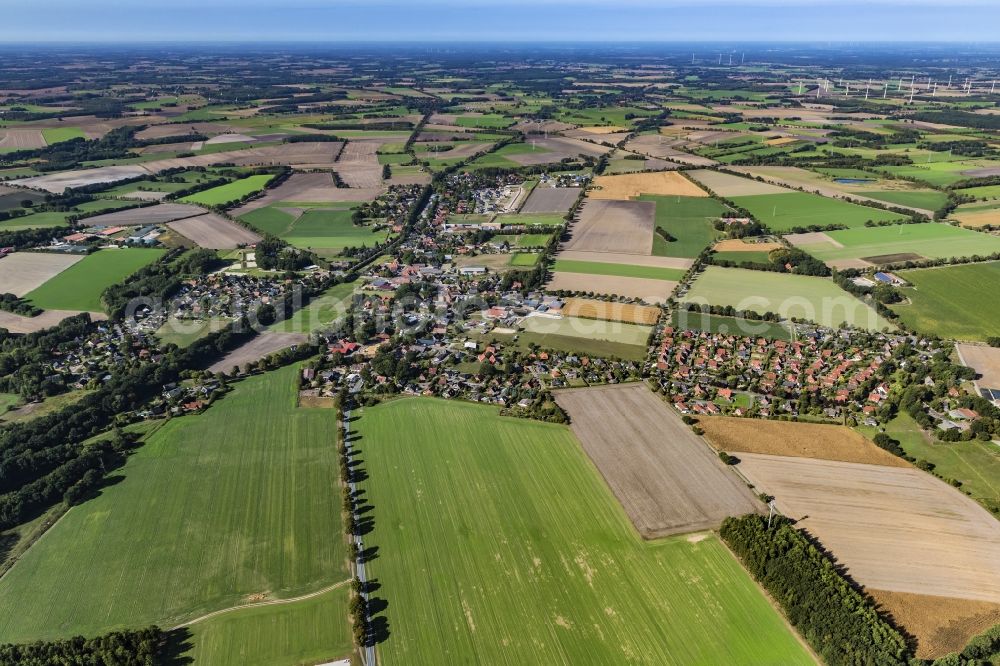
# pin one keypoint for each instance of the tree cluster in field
(18, 306)
(785, 260)
(64, 155)
(838, 621)
(134, 647)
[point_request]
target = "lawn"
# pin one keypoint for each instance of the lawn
(689, 220)
(48, 406)
(321, 311)
(60, 134)
(233, 191)
(953, 301)
(309, 631)
(8, 401)
(786, 211)
(499, 543)
(80, 286)
(976, 464)
(620, 270)
(932, 240)
(239, 501)
(813, 298)
(696, 321)
(524, 259)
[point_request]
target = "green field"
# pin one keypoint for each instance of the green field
(48, 406)
(621, 270)
(8, 401)
(982, 192)
(786, 211)
(524, 240)
(489, 121)
(321, 311)
(932, 241)
(308, 631)
(233, 191)
(327, 228)
(926, 199)
(953, 301)
(238, 501)
(689, 220)
(524, 259)
(696, 321)
(60, 134)
(976, 464)
(499, 543)
(743, 257)
(813, 298)
(80, 286)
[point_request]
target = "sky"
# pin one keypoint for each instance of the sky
(105, 21)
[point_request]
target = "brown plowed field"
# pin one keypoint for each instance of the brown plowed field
(892, 528)
(167, 212)
(626, 312)
(801, 440)
(264, 344)
(214, 232)
(667, 479)
(625, 227)
(550, 200)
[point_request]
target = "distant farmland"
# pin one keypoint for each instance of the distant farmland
(233, 191)
(475, 534)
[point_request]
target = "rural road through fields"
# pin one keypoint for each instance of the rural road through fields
(359, 564)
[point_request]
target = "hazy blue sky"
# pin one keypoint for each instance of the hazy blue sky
(515, 20)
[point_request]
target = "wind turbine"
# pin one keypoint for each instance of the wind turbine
(885, 90)
(993, 86)
(743, 57)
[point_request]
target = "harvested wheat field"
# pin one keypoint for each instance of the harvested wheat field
(264, 344)
(625, 227)
(629, 185)
(18, 324)
(603, 129)
(726, 185)
(21, 139)
(984, 360)
(940, 624)
(622, 258)
(893, 528)
(166, 212)
(665, 477)
(738, 245)
(978, 218)
(23, 272)
(214, 232)
(358, 164)
(625, 312)
(551, 200)
(800, 440)
(646, 289)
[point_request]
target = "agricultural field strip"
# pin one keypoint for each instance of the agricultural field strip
(23, 272)
(666, 478)
(932, 240)
(623, 258)
(646, 289)
(624, 227)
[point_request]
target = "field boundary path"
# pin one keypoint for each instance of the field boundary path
(257, 604)
(359, 563)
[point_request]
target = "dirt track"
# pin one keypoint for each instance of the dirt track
(667, 480)
(214, 232)
(625, 227)
(894, 529)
